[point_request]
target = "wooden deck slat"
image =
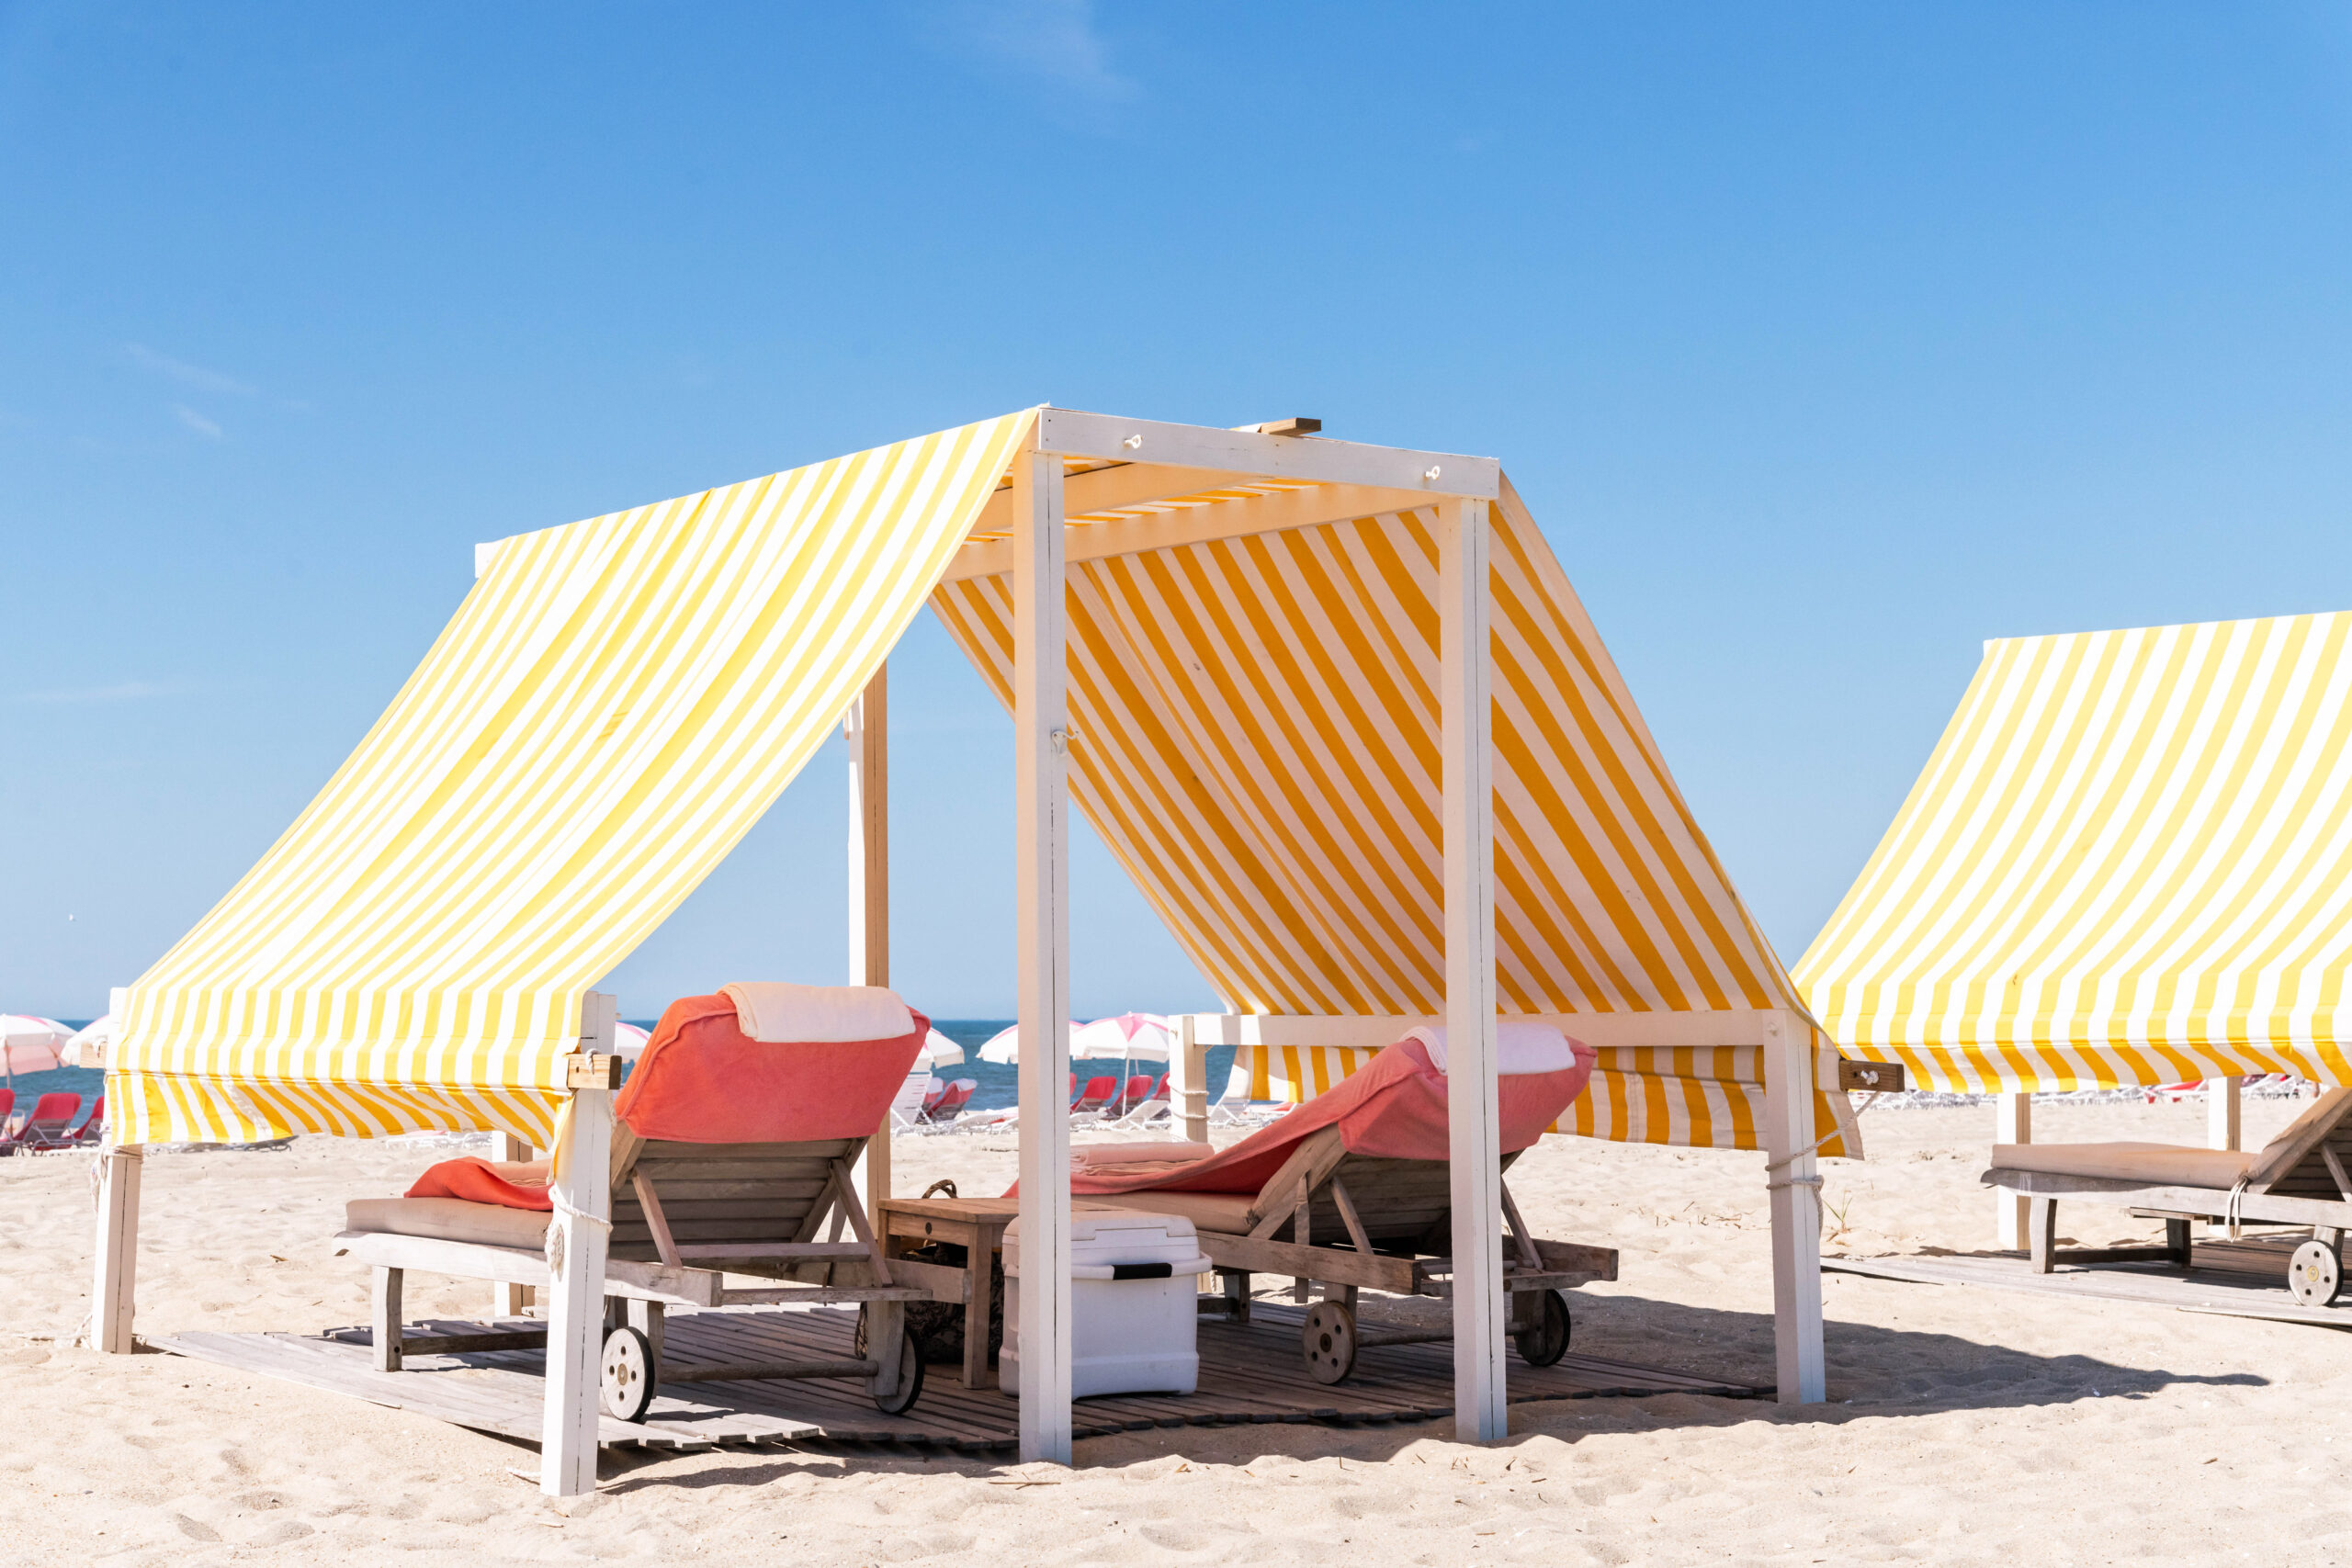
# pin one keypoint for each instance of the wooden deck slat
(1250, 1373)
(2229, 1280)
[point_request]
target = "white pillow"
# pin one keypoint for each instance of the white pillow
(1522, 1045)
(774, 1013)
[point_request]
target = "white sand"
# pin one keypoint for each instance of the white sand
(1968, 1426)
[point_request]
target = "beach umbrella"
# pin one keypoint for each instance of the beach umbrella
(30, 1045)
(1131, 1036)
(89, 1046)
(1004, 1046)
(629, 1042)
(938, 1052)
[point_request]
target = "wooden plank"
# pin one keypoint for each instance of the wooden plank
(2012, 1124)
(1041, 872)
(1474, 1135)
(385, 1335)
(114, 1284)
(576, 1274)
(2159, 1287)
(866, 728)
(2286, 1151)
(508, 1299)
(2221, 1112)
(1328, 1265)
(1072, 433)
(1792, 1184)
(2189, 1200)
(1243, 517)
(1602, 1031)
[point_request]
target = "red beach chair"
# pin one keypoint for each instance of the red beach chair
(950, 1104)
(45, 1128)
(1099, 1092)
(93, 1126)
(1136, 1092)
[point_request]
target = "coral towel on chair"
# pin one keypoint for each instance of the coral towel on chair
(1394, 1108)
(702, 1080)
(510, 1184)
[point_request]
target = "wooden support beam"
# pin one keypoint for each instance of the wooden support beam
(1278, 512)
(1041, 872)
(576, 1248)
(113, 1288)
(1602, 1031)
(1070, 432)
(1188, 1079)
(1466, 661)
(2223, 1101)
(385, 1318)
(508, 1299)
(2012, 1124)
(1793, 1185)
(866, 727)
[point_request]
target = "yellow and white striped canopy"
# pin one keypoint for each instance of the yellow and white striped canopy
(611, 708)
(2128, 861)
(1258, 744)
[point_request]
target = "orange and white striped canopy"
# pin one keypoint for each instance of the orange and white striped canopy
(2129, 861)
(1257, 723)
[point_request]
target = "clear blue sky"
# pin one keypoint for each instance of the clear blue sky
(1824, 340)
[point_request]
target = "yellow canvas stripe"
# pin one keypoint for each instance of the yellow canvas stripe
(612, 706)
(2126, 863)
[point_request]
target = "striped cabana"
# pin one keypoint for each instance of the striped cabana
(2129, 861)
(1334, 706)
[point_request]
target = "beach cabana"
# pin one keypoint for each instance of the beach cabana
(2129, 861)
(1333, 705)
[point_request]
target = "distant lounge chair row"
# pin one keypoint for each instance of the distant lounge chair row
(1108, 1096)
(51, 1125)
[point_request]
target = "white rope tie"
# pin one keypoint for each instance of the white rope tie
(1779, 1164)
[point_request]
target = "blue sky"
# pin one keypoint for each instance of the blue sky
(1826, 341)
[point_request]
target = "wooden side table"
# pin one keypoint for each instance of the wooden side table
(976, 1225)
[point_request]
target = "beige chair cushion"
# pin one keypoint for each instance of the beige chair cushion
(449, 1219)
(2156, 1164)
(1226, 1213)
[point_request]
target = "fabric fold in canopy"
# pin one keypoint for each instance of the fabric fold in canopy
(612, 706)
(2129, 861)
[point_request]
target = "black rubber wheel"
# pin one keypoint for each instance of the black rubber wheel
(909, 1379)
(1329, 1341)
(1548, 1340)
(627, 1374)
(2316, 1274)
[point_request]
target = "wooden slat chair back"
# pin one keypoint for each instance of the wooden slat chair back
(775, 1211)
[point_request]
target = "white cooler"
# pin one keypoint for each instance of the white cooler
(1134, 1303)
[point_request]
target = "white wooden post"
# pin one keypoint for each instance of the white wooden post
(2222, 1107)
(1474, 1133)
(1041, 870)
(1188, 1079)
(576, 1246)
(1794, 1188)
(2012, 1124)
(866, 727)
(506, 1297)
(113, 1286)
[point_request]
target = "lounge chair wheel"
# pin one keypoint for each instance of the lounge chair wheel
(2316, 1274)
(909, 1379)
(629, 1374)
(1330, 1340)
(1548, 1340)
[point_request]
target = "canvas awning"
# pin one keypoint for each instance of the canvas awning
(611, 707)
(2129, 861)
(1256, 739)
(1257, 725)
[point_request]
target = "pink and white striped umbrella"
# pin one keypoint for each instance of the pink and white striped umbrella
(32, 1044)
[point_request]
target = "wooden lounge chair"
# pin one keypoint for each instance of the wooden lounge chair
(1350, 1221)
(2302, 1176)
(685, 1216)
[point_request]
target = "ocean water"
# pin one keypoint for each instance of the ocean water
(998, 1087)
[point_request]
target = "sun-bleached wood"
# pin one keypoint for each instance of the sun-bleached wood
(508, 1299)
(578, 1231)
(1188, 1079)
(2012, 1124)
(114, 1285)
(1791, 1183)
(1041, 873)
(1602, 1031)
(2222, 1101)
(1474, 1132)
(1281, 512)
(866, 728)
(1070, 432)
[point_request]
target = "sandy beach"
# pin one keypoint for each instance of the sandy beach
(1965, 1425)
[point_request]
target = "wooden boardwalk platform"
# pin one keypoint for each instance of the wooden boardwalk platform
(1249, 1373)
(2241, 1279)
